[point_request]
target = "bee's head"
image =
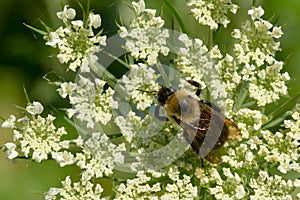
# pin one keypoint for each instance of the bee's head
(163, 94)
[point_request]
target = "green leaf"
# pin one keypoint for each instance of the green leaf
(177, 16)
(285, 106)
(36, 30)
(248, 104)
(275, 122)
(243, 93)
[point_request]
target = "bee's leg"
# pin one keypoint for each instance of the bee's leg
(156, 114)
(197, 85)
(202, 163)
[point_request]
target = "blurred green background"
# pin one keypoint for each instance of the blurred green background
(24, 60)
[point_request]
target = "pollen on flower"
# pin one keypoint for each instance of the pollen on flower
(63, 158)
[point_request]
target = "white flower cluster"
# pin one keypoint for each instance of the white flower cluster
(198, 63)
(244, 156)
(38, 136)
(76, 42)
(273, 187)
(269, 84)
(223, 184)
(257, 39)
(139, 82)
(180, 188)
(138, 188)
(75, 191)
(256, 51)
(256, 167)
(144, 38)
(212, 12)
(133, 126)
(193, 59)
(280, 150)
(176, 188)
(191, 56)
(249, 121)
(91, 103)
(227, 69)
(283, 147)
(99, 156)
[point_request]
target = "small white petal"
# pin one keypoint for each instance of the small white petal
(95, 20)
(11, 153)
(35, 108)
(77, 24)
(10, 122)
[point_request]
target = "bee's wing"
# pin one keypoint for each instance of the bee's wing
(195, 130)
(234, 132)
(198, 123)
(196, 140)
(214, 156)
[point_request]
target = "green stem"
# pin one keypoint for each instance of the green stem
(177, 16)
(104, 74)
(243, 92)
(117, 59)
(87, 11)
(109, 78)
(210, 42)
(26, 95)
(253, 2)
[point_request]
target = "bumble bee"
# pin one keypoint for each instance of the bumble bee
(198, 119)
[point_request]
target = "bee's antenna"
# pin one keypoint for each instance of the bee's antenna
(151, 92)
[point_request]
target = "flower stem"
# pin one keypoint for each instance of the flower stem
(242, 95)
(104, 74)
(210, 39)
(177, 16)
(109, 78)
(117, 59)
(26, 94)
